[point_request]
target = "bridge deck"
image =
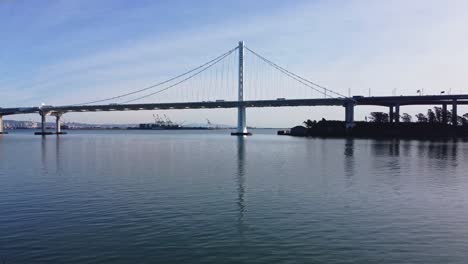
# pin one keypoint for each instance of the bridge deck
(378, 101)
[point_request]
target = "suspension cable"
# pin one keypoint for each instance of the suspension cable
(185, 79)
(295, 76)
(222, 56)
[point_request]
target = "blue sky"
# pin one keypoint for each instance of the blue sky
(63, 52)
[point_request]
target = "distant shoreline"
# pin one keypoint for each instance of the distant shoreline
(135, 128)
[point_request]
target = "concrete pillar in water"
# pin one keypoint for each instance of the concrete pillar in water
(58, 122)
(397, 113)
(1, 125)
(349, 115)
(43, 121)
(43, 132)
(454, 113)
(444, 114)
(390, 114)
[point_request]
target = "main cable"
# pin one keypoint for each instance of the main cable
(163, 82)
(295, 76)
(183, 80)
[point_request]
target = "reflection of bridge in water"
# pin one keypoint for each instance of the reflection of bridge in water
(259, 83)
(241, 181)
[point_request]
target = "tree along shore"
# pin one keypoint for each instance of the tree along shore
(436, 123)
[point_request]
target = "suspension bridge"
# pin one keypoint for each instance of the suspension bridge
(239, 78)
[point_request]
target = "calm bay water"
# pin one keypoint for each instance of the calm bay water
(207, 197)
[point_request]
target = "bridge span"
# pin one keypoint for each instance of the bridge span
(330, 97)
(392, 102)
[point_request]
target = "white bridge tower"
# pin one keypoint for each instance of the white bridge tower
(241, 122)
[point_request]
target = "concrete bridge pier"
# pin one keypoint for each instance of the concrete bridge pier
(391, 114)
(454, 113)
(2, 131)
(444, 114)
(241, 123)
(397, 113)
(58, 123)
(43, 124)
(349, 115)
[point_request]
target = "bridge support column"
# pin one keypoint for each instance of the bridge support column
(391, 114)
(241, 122)
(397, 113)
(58, 124)
(43, 125)
(1, 126)
(444, 114)
(454, 113)
(349, 115)
(58, 129)
(43, 122)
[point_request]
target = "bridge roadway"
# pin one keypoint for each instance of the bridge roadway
(357, 100)
(393, 102)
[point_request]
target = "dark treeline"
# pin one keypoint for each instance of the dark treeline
(435, 115)
(433, 124)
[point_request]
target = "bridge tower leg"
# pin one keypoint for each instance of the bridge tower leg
(241, 122)
(1, 126)
(444, 114)
(349, 115)
(454, 113)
